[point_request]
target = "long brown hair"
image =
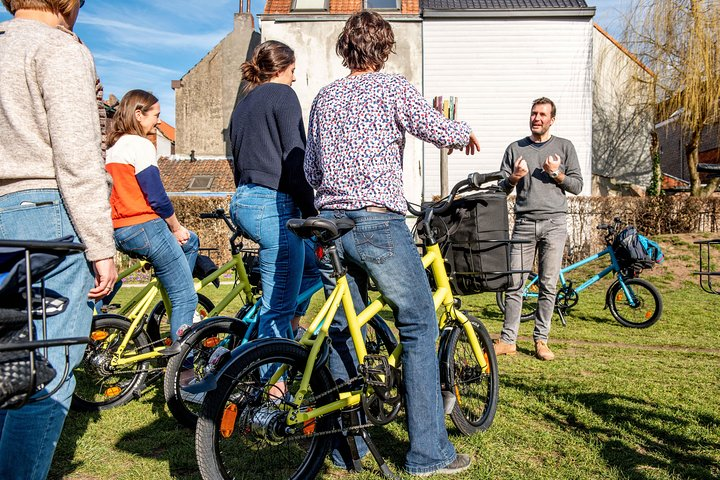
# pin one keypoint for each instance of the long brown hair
(63, 7)
(367, 40)
(124, 121)
(269, 58)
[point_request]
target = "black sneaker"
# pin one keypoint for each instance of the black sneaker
(461, 463)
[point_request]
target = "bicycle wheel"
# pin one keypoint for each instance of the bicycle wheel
(529, 305)
(242, 432)
(475, 388)
(193, 363)
(158, 324)
(101, 386)
(645, 308)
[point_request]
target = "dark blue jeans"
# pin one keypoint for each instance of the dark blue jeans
(173, 264)
(382, 247)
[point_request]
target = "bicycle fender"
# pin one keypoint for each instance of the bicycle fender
(607, 294)
(191, 333)
(443, 352)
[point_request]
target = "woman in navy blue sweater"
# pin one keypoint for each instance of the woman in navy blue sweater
(267, 135)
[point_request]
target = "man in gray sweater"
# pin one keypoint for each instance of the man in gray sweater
(541, 168)
(52, 184)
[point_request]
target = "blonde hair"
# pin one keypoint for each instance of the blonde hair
(63, 7)
(124, 121)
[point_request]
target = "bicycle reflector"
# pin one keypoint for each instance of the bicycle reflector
(319, 252)
(112, 392)
(99, 335)
(227, 424)
(211, 342)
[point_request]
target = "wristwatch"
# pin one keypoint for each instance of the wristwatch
(555, 174)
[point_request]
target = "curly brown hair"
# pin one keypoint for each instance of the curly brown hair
(124, 121)
(63, 7)
(366, 42)
(269, 58)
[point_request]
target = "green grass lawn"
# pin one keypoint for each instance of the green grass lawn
(616, 403)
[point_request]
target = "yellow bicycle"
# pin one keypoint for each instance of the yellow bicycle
(125, 352)
(275, 406)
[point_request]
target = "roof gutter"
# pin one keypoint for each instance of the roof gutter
(510, 13)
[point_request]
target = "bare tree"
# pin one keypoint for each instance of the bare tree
(680, 41)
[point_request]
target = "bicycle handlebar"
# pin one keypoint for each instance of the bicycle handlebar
(474, 181)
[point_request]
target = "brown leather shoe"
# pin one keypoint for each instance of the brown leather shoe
(542, 351)
(502, 348)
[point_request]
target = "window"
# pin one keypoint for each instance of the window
(382, 4)
(201, 182)
(310, 5)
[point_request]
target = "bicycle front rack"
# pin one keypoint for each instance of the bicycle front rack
(708, 252)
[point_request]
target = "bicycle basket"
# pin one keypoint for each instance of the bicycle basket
(473, 237)
(23, 369)
(634, 252)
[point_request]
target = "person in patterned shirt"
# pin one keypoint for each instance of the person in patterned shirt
(354, 160)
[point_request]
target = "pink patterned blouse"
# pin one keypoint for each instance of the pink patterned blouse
(356, 137)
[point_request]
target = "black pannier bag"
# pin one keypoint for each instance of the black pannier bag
(474, 239)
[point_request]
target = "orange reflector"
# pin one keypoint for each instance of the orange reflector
(227, 424)
(99, 335)
(167, 341)
(309, 425)
(619, 297)
(648, 315)
(457, 395)
(211, 342)
(487, 363)
(113, 392)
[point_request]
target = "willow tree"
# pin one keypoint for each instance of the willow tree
(680, 41)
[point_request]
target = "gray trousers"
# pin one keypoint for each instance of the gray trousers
(547, 238)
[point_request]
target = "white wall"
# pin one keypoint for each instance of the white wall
(497, 67)
(317, 65)
(164, 145)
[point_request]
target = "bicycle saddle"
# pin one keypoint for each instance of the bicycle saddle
(324, 229)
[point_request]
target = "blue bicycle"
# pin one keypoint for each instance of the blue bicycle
(633, 302)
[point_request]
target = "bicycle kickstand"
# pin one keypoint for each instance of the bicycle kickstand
(384, 469)
(561, 314)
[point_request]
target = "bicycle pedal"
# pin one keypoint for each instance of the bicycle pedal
(376, 370)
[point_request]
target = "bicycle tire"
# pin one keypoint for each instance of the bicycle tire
(158, 324)
(99, 386)
(529, 306)
(379, 335)
(476, 391)
(242, 448)
(183, 406)
(645, 313)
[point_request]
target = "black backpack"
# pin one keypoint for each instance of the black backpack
(630, 250)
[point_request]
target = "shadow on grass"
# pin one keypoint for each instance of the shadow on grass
(74, 429)
(636, 436)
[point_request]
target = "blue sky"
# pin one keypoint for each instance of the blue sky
(147, 44)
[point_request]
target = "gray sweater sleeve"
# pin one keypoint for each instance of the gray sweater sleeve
(506, 168)
(66, 77)
(573, 181)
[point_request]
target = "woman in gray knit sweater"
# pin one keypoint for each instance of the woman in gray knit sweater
(52, 184)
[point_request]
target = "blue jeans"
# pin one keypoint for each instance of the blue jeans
(173, 264)
(547, 237)
(28, 436)
(287, 263)
(382, 247)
